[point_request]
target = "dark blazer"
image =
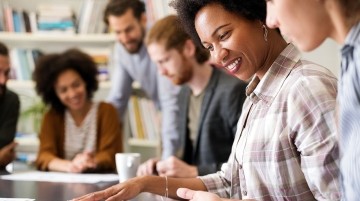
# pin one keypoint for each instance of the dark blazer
(220, 112)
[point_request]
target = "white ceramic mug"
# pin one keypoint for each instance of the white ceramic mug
(127, 165)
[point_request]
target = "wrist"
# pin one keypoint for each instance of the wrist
(195, 171)
(143, 182)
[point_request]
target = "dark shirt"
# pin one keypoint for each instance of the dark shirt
(219, 114)
(9, 113)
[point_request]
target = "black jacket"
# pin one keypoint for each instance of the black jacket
(220, 112)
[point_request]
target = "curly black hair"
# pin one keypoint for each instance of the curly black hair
(50, 66)
(119, 7)
(187, 10)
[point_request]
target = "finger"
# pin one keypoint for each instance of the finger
(161, 166)
(139, 171)
(150, 167)
(185, 193)
(142, 171)
(90, 165)
(86, 197)
(91, 197)
(171, 173)
(75, 168)
(89, 153)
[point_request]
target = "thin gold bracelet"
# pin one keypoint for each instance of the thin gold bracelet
(166, 189)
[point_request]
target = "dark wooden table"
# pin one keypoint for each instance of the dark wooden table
(54, 191)
(47, 191)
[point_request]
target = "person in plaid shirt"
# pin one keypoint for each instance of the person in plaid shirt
(286, 145)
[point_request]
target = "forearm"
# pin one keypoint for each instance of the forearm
(59, 165)
(157, 185)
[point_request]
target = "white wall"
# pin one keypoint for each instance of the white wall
(327, 55)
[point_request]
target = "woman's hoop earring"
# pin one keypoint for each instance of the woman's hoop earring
(265, 32)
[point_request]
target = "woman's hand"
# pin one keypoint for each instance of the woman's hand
(123, 191)
(82, 162)
(192, 195)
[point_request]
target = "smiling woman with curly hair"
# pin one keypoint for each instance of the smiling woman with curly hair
(286, 145)
(77, 134)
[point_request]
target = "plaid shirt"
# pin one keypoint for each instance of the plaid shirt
(286, 145)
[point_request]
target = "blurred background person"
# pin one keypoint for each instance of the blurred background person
(127, 19)
(9, 111)
(210, 103)
(77, 133)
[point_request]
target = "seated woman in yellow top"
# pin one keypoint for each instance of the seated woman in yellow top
(77, 134)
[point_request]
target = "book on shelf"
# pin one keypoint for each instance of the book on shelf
(50, 17)
(23, 63)
(55, 18)
(17, 21)
(90, 17)
(9, 25)
(27, 24)
(144, 118)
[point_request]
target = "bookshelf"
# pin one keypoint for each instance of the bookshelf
(89, 41)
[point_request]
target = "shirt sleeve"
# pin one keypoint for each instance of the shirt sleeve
(50, 141)
(169, 108)
(219, 183)
(316, 136)
(121, 87)
(8, 124)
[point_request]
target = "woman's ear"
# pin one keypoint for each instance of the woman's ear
(189, 48)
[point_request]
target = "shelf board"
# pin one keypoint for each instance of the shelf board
(67, 38)
(48, 43)
(30, 84)
(143, 142)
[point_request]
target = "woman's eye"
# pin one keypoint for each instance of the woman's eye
(224, 36)
(210, 48)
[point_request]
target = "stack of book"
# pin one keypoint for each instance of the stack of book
(101, 61)
(54, 18)
(144, 118)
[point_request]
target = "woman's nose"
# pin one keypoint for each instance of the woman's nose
(220, 55)
(271, 19)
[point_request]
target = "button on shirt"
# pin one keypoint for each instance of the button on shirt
(349, 98)
(285, 146)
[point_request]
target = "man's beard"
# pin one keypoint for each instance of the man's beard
(138, 43)
(2, 90)
(185, 75)
(136, 49)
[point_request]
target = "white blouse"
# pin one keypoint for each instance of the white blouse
(81, 138)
